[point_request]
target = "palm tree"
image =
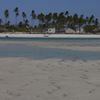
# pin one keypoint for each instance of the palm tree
(86, 21)
(48, 19)
(6, 14)
(66, 13)
(16, 10)
(91, 20)
(81, 21)
(96, 22)
(61, 20)
(8, 23)
(26, 22)
(33, 16)
(41, 18)
(54, 18)
(1, 21)
(75, 21)
(24, 17)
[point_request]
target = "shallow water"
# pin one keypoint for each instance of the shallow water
(16, 50)
(83, 41)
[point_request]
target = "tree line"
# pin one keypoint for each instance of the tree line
(58, 20)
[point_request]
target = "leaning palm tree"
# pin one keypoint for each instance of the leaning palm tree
(6, 14)
(16, 10)
(91, 20)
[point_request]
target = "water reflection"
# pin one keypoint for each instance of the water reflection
(16, 50)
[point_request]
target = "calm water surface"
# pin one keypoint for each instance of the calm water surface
(17, 50)
(90, 41)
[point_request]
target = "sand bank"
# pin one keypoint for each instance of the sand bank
(50, 79)
(61, 45)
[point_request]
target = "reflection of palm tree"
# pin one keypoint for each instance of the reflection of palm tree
(16, 10)
(6, 14)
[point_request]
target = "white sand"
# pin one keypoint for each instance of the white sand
(50, 79)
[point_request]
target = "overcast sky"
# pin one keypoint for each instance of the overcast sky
(86, 7)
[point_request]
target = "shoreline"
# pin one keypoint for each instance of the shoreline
(27, 35)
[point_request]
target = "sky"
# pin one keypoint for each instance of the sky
(86, 7)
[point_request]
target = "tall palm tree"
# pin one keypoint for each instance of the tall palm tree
(6, 14)
(24, 17)
(86, 21)
(41, 18)
(66, 13)
(48, 19)
(75, 18)
(33, 16)
(16, 10)
(81, 21)
(1, 21)
(96, 22)
(91, 20)
(26, 22)
(55, 17)
(66, 19)
(61, 20)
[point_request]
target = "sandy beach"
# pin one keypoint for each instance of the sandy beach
(50, 79)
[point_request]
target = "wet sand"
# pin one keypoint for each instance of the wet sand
(50, 79)
(61, 45)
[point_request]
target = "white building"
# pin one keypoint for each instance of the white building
(51, 30)
(80, 31)
(69, 30)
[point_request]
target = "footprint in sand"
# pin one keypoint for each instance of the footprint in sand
(54, 86)
(91, 91)
(13, 93)
(84, 76)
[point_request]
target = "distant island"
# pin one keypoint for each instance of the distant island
(52, 22)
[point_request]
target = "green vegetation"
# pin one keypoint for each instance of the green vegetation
(60, 21)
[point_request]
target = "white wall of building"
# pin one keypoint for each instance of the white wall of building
(51, 30)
